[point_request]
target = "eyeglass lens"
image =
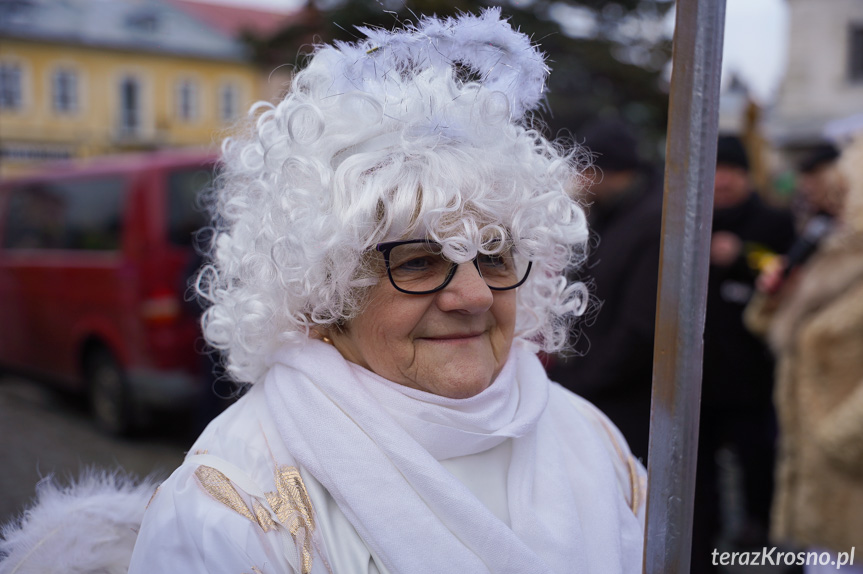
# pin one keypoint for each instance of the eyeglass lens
(422, 267)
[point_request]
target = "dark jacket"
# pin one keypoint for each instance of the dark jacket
(738, 368)
(615, 368)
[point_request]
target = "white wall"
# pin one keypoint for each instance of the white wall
(816, 87)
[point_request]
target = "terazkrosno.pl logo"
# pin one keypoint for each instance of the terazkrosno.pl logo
(773, 557)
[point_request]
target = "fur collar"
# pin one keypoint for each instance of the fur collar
(836, 266)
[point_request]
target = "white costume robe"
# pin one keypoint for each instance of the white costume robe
(525, 477)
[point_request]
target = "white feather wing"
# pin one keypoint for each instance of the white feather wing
(88, 526)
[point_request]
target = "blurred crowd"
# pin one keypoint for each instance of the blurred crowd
(782, 391)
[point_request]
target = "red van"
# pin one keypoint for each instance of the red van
(94, 263)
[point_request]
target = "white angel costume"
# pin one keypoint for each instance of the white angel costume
(325, 467)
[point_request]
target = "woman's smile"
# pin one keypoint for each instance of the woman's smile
(455, 337)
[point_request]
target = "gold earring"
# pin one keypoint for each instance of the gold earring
(326, 339)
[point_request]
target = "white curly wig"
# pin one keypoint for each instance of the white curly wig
(421, 132)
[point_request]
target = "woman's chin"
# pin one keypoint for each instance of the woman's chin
(457, 380)
(466, 391)
(457, 371)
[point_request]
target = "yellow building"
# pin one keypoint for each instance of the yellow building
(90, 77)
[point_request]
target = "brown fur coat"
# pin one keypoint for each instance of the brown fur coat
(817, 334)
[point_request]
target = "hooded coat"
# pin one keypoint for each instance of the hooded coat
(817, 334)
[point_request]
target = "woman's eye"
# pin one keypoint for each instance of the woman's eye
(492, 261)
(415, 264)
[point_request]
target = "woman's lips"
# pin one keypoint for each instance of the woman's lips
(455, 337)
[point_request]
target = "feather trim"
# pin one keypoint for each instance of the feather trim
(89, 526)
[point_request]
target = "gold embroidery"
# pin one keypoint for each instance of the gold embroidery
(630, 463)
(634, 482)
(288, 481)
(263, 515)
(291, 484)
(293, 508)
(155, 492)
(290, 503)
(219, 487)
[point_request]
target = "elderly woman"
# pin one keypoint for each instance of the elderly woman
(391, 256)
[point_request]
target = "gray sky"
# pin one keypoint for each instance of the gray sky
(755, 40)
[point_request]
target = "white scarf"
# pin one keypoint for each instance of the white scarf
(375, 446)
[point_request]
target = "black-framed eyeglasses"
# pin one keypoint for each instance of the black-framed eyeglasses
(418, 266)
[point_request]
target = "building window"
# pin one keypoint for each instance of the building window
(229, 102)
(855, 57)
(187, 100)
(17, 11)
(10, 86)
(145, 21)
(130, 106)
(65, 83)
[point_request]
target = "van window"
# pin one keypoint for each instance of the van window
(82, 214)
(186, 214)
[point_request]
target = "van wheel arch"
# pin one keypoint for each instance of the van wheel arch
(108, 391)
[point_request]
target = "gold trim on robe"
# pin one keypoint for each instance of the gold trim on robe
(290, 504)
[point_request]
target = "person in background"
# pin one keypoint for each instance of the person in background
(736, 403)
(813, 320)
(614, 365)
(816, 183)
(819, 200)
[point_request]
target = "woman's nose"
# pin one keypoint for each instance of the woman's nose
(466, 292)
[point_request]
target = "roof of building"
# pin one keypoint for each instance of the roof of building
(234, 20)
(136, 25)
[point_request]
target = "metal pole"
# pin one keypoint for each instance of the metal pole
(686, 225)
